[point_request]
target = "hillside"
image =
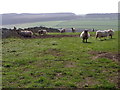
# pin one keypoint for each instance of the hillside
(14, 18)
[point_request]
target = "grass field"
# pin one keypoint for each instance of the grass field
(60, 62)
(99, 23)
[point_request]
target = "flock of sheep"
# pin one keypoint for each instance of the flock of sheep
(27, 33)
(84, 35)
(62, 30)
(100, 33)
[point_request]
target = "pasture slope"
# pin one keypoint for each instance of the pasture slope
(63, 62)
(100, 23)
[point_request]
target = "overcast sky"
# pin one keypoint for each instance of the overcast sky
(53, 6)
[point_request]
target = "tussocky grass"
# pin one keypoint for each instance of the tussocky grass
(58, 63)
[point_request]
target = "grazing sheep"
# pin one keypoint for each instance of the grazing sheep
(85, 35)
(110, 33)
(93, 29)
(62, 30)
(42, 32)
(73, 30)
(101, 33)
(25, 33)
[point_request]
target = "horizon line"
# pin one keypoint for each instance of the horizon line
(57, 12)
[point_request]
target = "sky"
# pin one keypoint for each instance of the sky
(56, 6)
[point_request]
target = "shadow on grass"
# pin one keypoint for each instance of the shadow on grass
(111, 38)
(107, 39)
(87, 42)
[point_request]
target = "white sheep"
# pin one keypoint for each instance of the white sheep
(101, 33)
(62, 30)
(73, 30)
(110, 32)
(43, 32)
(85, 35)
(25, 33)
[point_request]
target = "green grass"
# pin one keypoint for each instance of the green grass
(66, 33)
(86, 23)
(59, 62)
(99, 23)
(34, 24)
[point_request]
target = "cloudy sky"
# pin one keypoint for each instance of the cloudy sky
(53, 6)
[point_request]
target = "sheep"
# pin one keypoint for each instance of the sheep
(85, 35)
(25, 33)
(42, 32)
(73, 30)
(101, 33)
(62, 30)
(110, 33)
(93, 29)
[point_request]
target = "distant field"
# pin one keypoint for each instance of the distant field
(83, 23)
(60, 62)
(97, 24)
(26, 25)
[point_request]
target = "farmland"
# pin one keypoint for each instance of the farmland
(63, 62)
(100, 23)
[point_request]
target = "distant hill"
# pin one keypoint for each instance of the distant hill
(103, 15)
(13, 18)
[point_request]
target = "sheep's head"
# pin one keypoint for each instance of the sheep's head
(86, 31)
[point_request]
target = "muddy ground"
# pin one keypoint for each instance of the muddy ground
(109, 55)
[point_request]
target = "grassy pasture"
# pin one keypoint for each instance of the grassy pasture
(34, 24)
(60, 62)
(86, 23)
(99, 23)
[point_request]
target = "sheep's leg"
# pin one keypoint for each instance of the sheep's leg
(86, 40)
(111, 36)
(96, 36)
